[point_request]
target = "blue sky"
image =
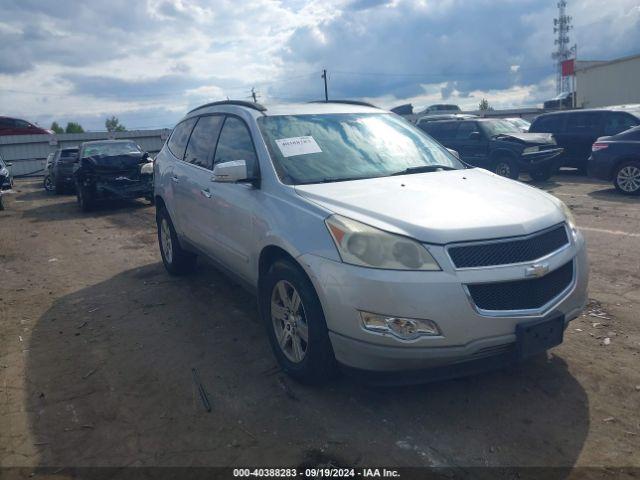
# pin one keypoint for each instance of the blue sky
(149, 61)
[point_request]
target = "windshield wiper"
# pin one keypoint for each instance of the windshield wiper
(333, 180)
(423, 169)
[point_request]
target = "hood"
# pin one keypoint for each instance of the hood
(115, 162)
(441, 207)
(529, 138)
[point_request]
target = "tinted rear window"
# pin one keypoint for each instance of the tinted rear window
(69, 153)
(547, 124)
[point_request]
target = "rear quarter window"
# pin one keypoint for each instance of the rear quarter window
(179, 137)
(547, 124)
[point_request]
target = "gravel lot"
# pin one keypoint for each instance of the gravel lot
(98, 343)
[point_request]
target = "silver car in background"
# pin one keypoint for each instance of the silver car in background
(368, 244)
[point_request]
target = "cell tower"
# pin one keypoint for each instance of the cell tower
(562, 26)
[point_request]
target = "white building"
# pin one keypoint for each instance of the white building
(601, 84)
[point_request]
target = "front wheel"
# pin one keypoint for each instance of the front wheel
(627, 178)
(541, 174)
(1, 204)
(176, 260)
(506, 167)
(48, 184)
(84, 198)
(296, 325)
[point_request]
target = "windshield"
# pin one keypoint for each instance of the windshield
(335, 147)
(110, 149)
(499, 127)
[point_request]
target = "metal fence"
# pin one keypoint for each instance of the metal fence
(28, 153)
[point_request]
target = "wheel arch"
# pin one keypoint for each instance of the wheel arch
(620, 161)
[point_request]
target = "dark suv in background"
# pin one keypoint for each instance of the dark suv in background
(497, 145)
(577, 130)
(62, 169)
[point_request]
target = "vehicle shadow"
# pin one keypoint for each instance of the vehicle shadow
(110, 382)
(612, 195)
(67, 208)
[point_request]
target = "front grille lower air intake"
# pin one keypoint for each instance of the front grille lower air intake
(528, 294)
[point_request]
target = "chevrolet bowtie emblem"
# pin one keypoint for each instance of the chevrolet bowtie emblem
(537, 270)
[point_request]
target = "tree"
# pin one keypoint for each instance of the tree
(56, 128)
(484, 105)
(73, 127)
(113, 125)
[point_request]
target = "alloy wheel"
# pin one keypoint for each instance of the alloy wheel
(503, 169)
(289, 321)
(165, 238)
(48, 184)
(628, 179)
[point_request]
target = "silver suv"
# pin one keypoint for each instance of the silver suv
(368, 244)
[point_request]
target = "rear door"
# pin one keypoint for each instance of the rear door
(178, 173)
(235, 202)
(581, 131)
(198, 204)
(472, 150)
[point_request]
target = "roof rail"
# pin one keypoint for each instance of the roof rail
(239, 103)
(347, 102)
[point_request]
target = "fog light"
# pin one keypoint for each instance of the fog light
(403, 328)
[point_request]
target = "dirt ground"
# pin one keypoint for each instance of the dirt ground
(98, 343)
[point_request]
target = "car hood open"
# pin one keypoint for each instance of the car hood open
(440, 207)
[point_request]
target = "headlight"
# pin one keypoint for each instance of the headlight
(568, 215)
(360, 244)
(4, 172)
(147, 168)
(531, 149)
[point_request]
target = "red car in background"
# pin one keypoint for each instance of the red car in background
(16, 126)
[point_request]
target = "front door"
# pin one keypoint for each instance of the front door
(472, 144)
(235, 202)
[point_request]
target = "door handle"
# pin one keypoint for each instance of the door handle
(175, 179)
(206, 193)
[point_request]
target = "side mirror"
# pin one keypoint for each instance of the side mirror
(475, 136)
(454, 153)
(231, 172)
(9, 164)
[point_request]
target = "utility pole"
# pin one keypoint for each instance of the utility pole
(326, 92)
(562, 26)
(254, 94)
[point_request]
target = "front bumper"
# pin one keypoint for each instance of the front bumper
(540, 159)
(467, 334)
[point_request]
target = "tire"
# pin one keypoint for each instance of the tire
(48, 185)
(176, 260)
(85, 198)
(626, 178)
(1, 202)
(506, 167)
(541, 175)
(295, 323)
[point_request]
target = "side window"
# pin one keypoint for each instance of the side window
(178, 139)
(203, 141)
(235, 144)
(616, 122)
(548, 124)
(432, 128)
(583, 122)
(465, 129)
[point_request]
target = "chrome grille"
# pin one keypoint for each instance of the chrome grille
(504, 252)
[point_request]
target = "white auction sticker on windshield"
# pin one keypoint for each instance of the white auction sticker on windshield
(298, 146)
